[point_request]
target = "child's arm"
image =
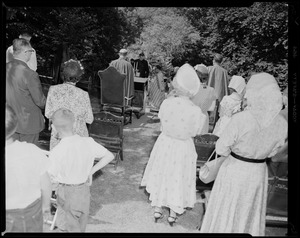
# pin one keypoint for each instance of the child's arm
(107, 158)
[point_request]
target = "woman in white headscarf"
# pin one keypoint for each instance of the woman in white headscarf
(230, 104)
(237, 203)
(170, 175)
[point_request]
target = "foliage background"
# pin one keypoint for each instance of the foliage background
(251, 39)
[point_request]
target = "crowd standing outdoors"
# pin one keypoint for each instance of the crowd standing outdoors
(252, 127)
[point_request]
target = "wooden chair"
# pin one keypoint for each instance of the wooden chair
(112, 92)
(205, 147)
(107, 129)
(214, 116)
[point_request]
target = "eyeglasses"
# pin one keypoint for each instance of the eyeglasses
(31, 51)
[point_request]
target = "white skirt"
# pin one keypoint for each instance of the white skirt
(170, 175)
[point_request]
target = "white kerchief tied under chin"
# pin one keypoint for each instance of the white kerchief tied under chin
(237, 83)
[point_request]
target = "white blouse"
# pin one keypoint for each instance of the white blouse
(244, 137)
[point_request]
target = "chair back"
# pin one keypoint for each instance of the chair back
(214, 115)
(112, 87)
(107, 126)
(205, 145)
(107, 130)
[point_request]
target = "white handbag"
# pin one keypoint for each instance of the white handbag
(208, 172)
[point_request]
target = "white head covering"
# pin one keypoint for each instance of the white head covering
(201, 68)
(237, 83)
(186, 81)
(264, 99)
(123, 51)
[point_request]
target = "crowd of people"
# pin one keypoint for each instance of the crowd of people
(251, 128)
(31, 173)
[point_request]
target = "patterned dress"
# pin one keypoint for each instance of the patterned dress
(229, 105)
(237, 203)
(156, 90)
(170, 175)
(73, 98)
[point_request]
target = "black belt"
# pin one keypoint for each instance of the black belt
(72, 185)
(248, 160)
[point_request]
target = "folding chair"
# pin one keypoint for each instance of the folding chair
(113, 96)
(214, 116)
(107, 129)
(205, 148)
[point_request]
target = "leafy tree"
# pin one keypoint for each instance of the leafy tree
(92, 35)
(251, 39)
(164, 34)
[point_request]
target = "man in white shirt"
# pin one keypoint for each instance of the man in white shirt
(32, 63)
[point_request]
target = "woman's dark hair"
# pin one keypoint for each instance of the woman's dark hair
(72, 71)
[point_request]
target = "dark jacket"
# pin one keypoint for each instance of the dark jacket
(24, 94)
(142, 68)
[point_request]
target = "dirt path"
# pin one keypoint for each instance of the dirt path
(118, 203)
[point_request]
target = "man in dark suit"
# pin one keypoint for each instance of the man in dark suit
(24, 93)
(142, 66)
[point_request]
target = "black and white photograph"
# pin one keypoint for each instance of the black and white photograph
(151, 119)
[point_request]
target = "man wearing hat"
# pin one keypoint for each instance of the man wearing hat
(125, 67)
(142, 66)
